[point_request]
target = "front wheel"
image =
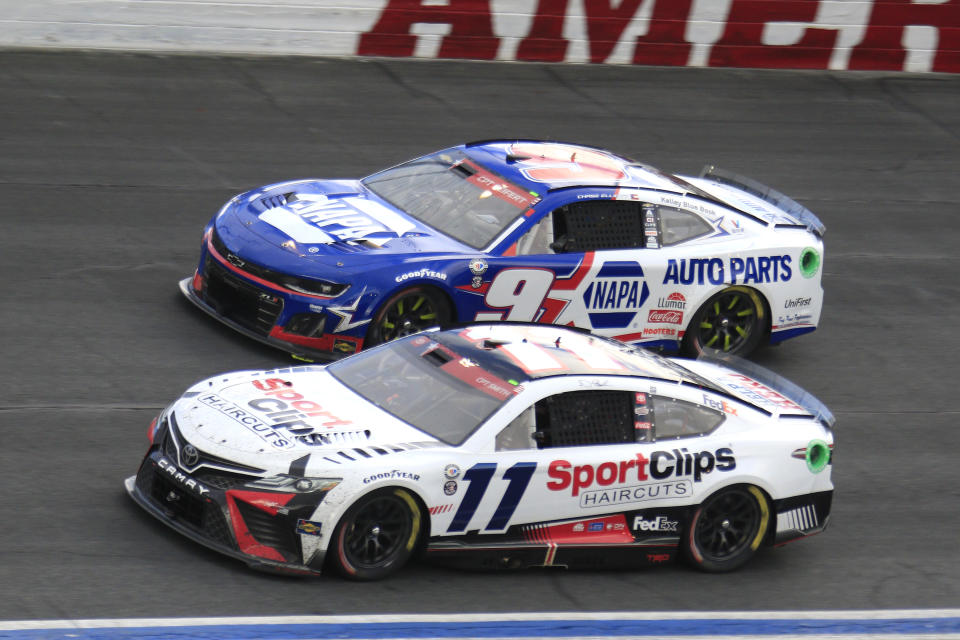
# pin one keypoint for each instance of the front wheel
(376, 536)
(406, 313)
(727, 529)
(732, 322)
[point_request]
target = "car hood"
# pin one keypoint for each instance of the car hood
(269, 419)
(323, 219)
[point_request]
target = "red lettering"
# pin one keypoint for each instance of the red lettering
(269, 383)
(306, 405)
(665, 42)
(624, 466)
(741, 44)
(605, 25)
(471, 29)
(582, 478)
(882, 45)
(607, 473)
(286, 394)
(642, 462)
(545, 41)
(558, 471)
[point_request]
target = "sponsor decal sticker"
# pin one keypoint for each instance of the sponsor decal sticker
(665, 316)
(288, 409)
(344, 346)
(753, 269)
(659, 524)
(421, 273)
(719, 405)
(308, 527)
(675, 300)
(760, 393)
(450, 487)
(796, 303)
(270, 433)
(451, 472)
(661, 465)
(391, 475)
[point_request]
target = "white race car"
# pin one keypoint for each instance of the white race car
(491, 446)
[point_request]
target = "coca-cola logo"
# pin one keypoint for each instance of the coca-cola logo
(665, 316)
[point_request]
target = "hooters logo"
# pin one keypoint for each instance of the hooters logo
(665, 316)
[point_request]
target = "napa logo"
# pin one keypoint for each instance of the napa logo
(317, 219)
(615, 295)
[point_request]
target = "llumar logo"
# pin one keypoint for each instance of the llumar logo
(678, 463)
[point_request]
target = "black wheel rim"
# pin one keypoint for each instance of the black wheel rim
(728, 322)
(378, 532)
(407, 315)
(727, 524)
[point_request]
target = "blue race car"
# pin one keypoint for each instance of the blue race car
(513, 230)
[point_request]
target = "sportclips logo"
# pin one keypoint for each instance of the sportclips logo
(288, 409)
(675, 469)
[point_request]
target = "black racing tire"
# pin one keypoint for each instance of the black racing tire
(377, 535)
(731, 322)
(407, 312)
(727, 529)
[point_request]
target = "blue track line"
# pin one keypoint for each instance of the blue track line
(907, 627)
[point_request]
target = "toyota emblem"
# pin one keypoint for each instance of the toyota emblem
(190, 455)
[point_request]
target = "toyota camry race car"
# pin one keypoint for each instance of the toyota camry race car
(518, 231)
(491, 446)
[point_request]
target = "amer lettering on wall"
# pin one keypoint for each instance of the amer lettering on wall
(894, 35)
(788, 34)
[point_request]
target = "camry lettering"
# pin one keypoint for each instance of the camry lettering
(181, 477)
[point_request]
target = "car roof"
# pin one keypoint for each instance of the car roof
(536, 351)
(541, 165)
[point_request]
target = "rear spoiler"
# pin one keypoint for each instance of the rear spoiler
(776, 382)
(765, 193)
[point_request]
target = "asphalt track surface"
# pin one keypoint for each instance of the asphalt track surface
(110, 164)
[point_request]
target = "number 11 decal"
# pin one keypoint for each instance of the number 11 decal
(479, 476)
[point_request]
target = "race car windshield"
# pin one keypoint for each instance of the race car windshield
(428, 385)
(454, 195)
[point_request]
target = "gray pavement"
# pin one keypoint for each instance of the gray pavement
(110, 165)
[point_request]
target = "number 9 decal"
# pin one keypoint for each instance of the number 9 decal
(521, 291)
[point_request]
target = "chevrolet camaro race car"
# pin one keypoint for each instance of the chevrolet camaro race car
(491, 446)
(513, 231)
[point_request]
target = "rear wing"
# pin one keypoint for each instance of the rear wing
(789, 206)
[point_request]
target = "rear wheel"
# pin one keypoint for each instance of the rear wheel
(377, 535)
(408, 312)
(727, 529)
(732, 322)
